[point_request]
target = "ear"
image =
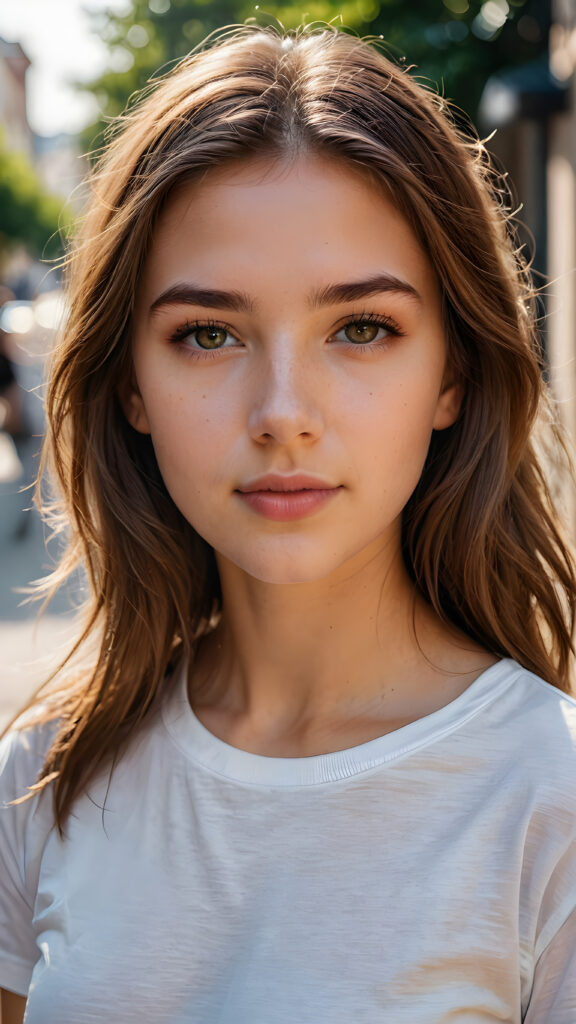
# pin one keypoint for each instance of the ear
(132, 405)
(448, 407)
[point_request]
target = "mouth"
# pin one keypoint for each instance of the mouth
(278, 484)
(287, 498)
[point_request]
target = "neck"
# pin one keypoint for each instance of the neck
(288, 658)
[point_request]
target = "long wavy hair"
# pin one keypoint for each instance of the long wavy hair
(480, 536)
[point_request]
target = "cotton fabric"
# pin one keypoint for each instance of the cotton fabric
(425, 877)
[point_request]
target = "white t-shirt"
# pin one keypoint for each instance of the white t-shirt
(425, 877)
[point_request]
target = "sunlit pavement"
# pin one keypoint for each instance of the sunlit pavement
(28, 646)
(28, 652)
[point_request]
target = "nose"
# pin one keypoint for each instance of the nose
(286, 404)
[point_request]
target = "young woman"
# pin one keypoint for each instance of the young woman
(322, 767)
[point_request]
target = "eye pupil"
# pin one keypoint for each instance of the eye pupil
(211, 337)
(361, 331)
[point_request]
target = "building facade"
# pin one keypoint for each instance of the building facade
(561, 213)
(13, 120)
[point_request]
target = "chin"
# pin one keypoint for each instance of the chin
(283, 575)
(284, 569)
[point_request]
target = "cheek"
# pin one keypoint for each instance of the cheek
(395, 437)
(401, 415)
(193, 446)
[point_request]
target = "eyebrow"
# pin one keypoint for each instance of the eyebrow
(239, 302)
(208, 298)
(379, 283)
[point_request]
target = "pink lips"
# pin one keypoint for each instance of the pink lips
(284, 498)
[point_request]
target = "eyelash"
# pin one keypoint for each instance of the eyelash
(387, 322)
(184, 330)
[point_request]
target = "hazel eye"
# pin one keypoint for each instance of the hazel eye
(203, 336)
(362, 332)
(210, 337)
(366, 331)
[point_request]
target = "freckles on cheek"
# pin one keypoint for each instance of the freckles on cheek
(187, 438)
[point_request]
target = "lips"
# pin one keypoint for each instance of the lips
(284, 498)
(285, 484)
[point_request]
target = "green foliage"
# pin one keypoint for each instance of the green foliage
(451, 42)
(29, 214)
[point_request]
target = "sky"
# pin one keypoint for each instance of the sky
(57, 38)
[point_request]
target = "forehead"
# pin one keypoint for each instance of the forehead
(280, 221)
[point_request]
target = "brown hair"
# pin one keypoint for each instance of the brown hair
(479, 534)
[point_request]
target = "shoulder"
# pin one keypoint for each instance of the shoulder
(537, 724)
(24, 831)
(526, 734)
(538, 708)
(23, 750)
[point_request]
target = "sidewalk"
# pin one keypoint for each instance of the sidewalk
(29, 650)
(29, 646)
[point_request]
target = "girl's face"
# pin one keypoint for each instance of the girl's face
(290, 365)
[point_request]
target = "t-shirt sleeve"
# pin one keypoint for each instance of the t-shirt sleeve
(21, 757)
(553, 995)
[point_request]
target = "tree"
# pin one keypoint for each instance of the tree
(30, 215)
(455, 44)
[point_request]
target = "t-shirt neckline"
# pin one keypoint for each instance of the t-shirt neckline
(215, 755)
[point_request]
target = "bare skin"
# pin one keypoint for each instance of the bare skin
(409, 675)
(323, 642)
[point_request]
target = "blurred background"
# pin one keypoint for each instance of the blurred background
(68, 66)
